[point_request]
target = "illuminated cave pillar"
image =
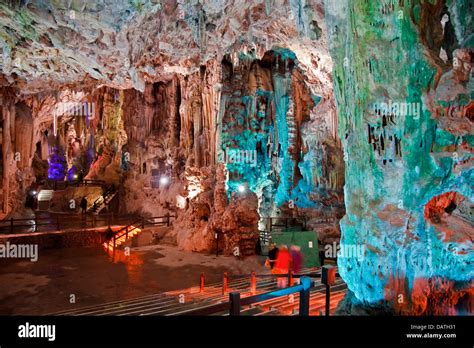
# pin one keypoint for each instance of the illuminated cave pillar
(57, 168)
(396, 163)
(261, 122)
(284, 111)
(8, 113)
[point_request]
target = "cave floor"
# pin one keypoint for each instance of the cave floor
(89, 275)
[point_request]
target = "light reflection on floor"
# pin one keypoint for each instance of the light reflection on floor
(93, 277)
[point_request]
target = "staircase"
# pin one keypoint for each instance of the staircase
(185, 301)
(121, 236)
(131, 230)
(44, 199)
(101, 202)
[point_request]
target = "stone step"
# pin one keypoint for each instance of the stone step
(45, 195)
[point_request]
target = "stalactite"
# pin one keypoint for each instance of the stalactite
(7, 110)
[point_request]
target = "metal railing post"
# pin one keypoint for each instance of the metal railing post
(290, 278)
(305, 295)
(36, 223)
(11, 225)
(328, 277)
(253, 283)
(328, 299)
(234, 299)
(224, 283)
(201, 285)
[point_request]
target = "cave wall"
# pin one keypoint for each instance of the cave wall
(399, 156)
(183, 128)
(270, 142)
(171, 84)
(18, 149)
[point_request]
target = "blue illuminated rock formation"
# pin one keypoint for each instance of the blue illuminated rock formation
(400, 158)
(262, 142)
(57, 164)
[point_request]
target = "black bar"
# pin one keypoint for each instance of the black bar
(361, 331)
(304, 302)
(234, 299)
(307, 285)
(328, 299)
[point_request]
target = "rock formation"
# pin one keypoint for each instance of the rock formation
(223, 113)
(409, 157)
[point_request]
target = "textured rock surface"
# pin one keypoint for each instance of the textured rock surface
(174, 85)
(397, 162)
(125, 44)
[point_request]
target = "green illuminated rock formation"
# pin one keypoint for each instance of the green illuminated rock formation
(399, 156)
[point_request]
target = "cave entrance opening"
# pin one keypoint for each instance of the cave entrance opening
(451, 213)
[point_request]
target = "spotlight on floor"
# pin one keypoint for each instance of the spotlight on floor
(164, 180)
(33, 193)
(241, 188)
(75, 176)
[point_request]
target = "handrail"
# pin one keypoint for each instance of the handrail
(305, 219)
(58, 215)
(124, 231)
(286, 219)
(66, 183)
(116, 234)
(76, 221)
(306, 284)
(235, 302)
(103, 196)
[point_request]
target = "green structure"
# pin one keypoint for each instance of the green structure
(306, 240)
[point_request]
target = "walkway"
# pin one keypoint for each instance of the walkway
(184, 302)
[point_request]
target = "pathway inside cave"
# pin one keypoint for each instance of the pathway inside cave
(92, 278)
